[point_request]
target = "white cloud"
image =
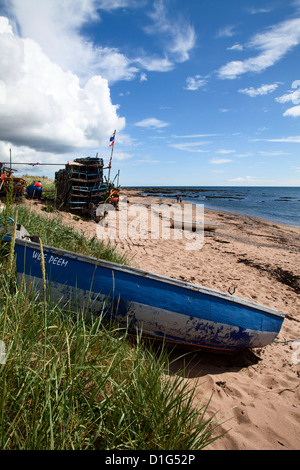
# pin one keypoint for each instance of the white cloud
(122, 156)
(220, 161)
(143, 77)
(273, 44)
(152, 123)
(226, 32)
(110, 5)
(147, 159)
(294, 111)
(190, 146)
(56, 27)
(236, 47)
(255, 11)
(259, 181)
(45, 107)
(155, 64)
(225, 151)
(244, 155)
(5, 27)
(191, 136)
(263, 90)
(179, 33)
(275, 153)
(292, 139)
(294, 97)
(27, 156)
(194, 83)
(243, 179)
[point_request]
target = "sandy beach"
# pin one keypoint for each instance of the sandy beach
(256, 395)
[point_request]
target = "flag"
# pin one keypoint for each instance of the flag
(112, 140)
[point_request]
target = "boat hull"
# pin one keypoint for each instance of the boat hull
(156, 305)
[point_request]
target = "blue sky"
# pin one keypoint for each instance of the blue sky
(200, 93)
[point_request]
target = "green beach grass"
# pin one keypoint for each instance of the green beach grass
(72, 383)
(53, 232)
(49, 189)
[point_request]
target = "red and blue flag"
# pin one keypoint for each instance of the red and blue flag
(112, 140)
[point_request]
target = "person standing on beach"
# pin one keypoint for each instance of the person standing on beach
(177, 198)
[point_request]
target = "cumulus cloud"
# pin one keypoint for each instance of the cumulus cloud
(45, 106)
(56, 26)
(27, 156)
(273, 45)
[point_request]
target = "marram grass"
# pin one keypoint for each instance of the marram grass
(53, 232)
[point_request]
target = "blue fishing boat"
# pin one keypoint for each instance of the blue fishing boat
(163, 308)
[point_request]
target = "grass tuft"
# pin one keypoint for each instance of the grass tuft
(53, 232)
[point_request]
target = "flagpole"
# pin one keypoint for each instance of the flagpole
(112, 150)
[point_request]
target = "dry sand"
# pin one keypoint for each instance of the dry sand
(256, 395)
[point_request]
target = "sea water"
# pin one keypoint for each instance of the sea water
(276, 204)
